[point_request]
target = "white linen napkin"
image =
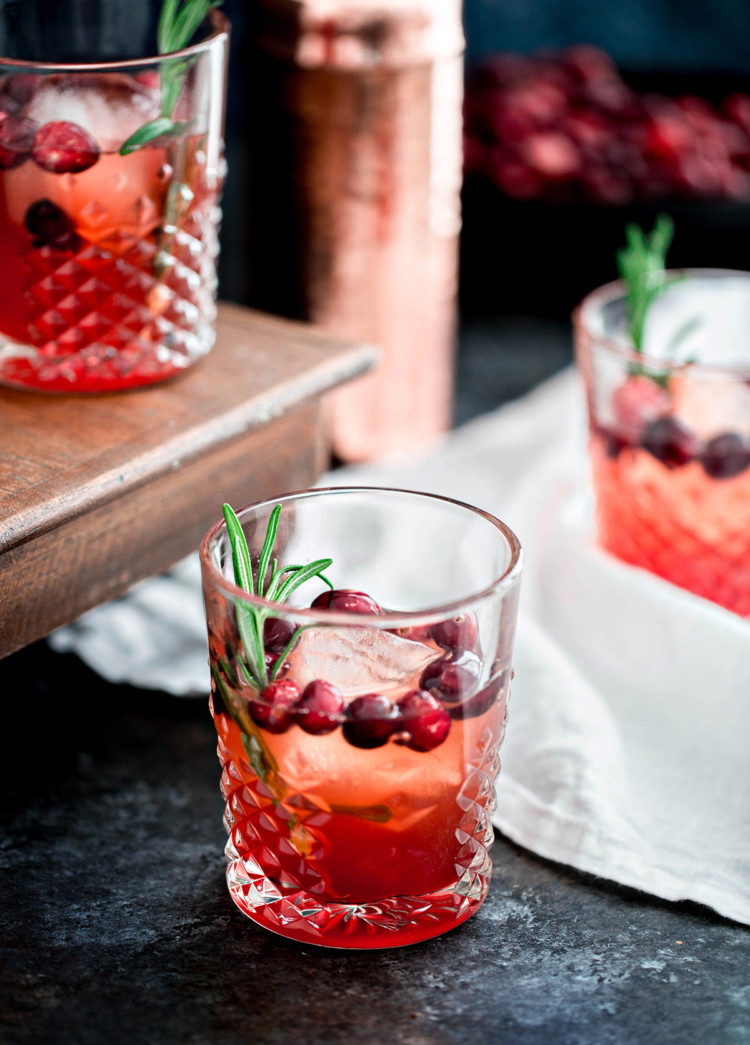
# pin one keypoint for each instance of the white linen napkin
(627, 750)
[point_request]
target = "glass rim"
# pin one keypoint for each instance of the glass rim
(220, 27)
(389, 618)
(596, 299)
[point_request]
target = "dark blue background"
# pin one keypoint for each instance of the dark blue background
(679, 35)
(641, 35)
(685, 39)
(684, 35)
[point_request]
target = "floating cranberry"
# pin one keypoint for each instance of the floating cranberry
(481, 701)
(277, 634)
(273, 667)
(17, 90)
(726, 455)
(342, 600)
(638, 401)
(670, 441)
(274, 710)
(370, 720)
(453, 676)
(460, 632)
(425, 719)
(321, 708)
(64, 148)
(50, 226)
(614, 442)
(16, 137)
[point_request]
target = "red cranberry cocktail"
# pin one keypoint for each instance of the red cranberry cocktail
(110, 175)
(360, 702)
(670, 431)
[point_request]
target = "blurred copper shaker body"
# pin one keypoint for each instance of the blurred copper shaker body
(355, 188)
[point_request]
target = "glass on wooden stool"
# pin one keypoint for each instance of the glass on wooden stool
(111, 166)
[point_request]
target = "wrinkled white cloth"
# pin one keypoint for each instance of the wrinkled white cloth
(627, 751)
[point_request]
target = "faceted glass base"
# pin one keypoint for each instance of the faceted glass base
(293, 860)
(393, 922)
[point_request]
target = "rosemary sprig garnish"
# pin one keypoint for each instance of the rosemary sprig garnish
(274, 587)
(282, 581)
(641, 264)
(178, 21)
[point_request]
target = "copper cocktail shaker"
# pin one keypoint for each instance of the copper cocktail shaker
(355, 197)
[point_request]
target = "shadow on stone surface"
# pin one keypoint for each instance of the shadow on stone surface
(117, 925)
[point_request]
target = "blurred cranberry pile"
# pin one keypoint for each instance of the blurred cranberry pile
(565, 126)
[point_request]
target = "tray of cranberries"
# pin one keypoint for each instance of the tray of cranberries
(561, 149)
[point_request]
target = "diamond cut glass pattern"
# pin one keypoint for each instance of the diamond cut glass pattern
(379, 835)
(108, 261)
(669, 440)
(104, 307)
(277, 850)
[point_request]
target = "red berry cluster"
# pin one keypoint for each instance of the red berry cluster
(420, 720)
(565, 126)
(59, 146)
(643, 420)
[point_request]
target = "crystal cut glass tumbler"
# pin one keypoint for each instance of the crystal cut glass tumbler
(670, 431)
(107, 251)
(359, 785)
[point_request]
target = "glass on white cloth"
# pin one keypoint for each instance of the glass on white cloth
(626, 754)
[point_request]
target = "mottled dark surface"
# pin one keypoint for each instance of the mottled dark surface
(117, 927)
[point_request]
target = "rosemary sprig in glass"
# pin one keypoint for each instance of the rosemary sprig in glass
(642, 267)
(178, 21)
(641, 264)
(274, 587)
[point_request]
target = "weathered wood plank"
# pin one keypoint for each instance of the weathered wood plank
(98, 492)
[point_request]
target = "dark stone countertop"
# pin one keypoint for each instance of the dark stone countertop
(117, 926)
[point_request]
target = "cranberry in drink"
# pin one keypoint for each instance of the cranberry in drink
(110, 177)
(358, 758)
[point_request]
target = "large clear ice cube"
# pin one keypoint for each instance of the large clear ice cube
(109, 106)
(359, 659)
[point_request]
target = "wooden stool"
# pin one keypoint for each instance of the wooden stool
(98, 492)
